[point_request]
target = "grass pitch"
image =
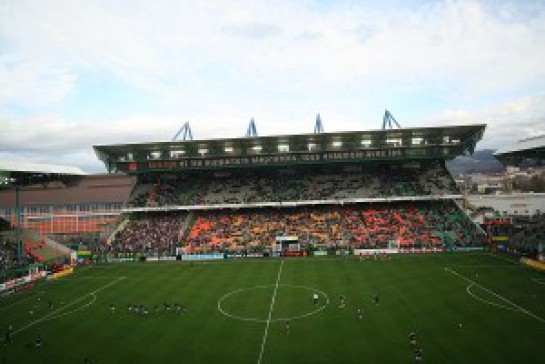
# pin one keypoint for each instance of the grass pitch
(480, 309)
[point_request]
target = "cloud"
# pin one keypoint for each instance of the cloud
(153, 44)
(506, 122)
(255, 30)
(57, 141)
(31, 82)
(217, 64)
(54, 140)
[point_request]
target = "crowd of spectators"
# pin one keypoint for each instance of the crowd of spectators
(375, 225)
(152, 234)
(8, 248)
(8, 254)
(295, 184)
(528, 233)
(10, 265)
(416, 224)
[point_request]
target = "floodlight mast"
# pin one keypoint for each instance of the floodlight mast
(185, 130)
(389, 120)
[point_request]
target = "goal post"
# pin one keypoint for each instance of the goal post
(286, 244)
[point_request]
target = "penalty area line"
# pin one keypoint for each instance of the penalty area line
(519, 308)
(74, 310)
(270, 314)
(46, 317)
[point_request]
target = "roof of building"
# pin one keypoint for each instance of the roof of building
(89, 189)
(39, 168)
(527, 144)
(455, 140)
(459, 131)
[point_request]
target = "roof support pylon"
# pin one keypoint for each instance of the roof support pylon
(318, 127)
(251, 131)
(389, 120)
(185, 130)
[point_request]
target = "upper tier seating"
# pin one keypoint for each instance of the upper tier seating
(296, 184)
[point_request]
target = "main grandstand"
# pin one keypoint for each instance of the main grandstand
(374, 189)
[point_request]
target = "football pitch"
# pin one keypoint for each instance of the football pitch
(463, 308)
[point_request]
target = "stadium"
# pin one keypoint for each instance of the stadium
(337, 247)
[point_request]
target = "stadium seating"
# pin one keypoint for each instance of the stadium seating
(337, 223)
(8, 252)
(357, 226)
(9, 263)
(529, 232)
(151, 234)
(302, 184)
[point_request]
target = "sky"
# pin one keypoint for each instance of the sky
(76, 73)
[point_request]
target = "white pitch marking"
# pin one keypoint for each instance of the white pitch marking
(521, 309)
(270, 314)
(251, 319)
(468, 289)
(74, 310)
(44, 318)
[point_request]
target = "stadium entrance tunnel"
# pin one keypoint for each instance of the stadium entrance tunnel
(291, 302)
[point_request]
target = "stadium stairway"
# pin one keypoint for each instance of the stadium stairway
(186, 226)
(138, 195)
(43, 249)
(447, 237)
(119, 227)
(468, 212)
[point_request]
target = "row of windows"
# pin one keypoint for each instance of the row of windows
(71, 218)
(44, 209)
(520, 212)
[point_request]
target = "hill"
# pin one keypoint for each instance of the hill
(482, 161)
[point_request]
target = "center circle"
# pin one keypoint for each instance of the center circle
(253, 303)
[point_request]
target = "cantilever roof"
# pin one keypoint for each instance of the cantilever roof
(523, 145)
(523, 150)
(443, 142)
(39, 168)
(459, 131)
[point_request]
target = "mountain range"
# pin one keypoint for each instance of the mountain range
(481, 161)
